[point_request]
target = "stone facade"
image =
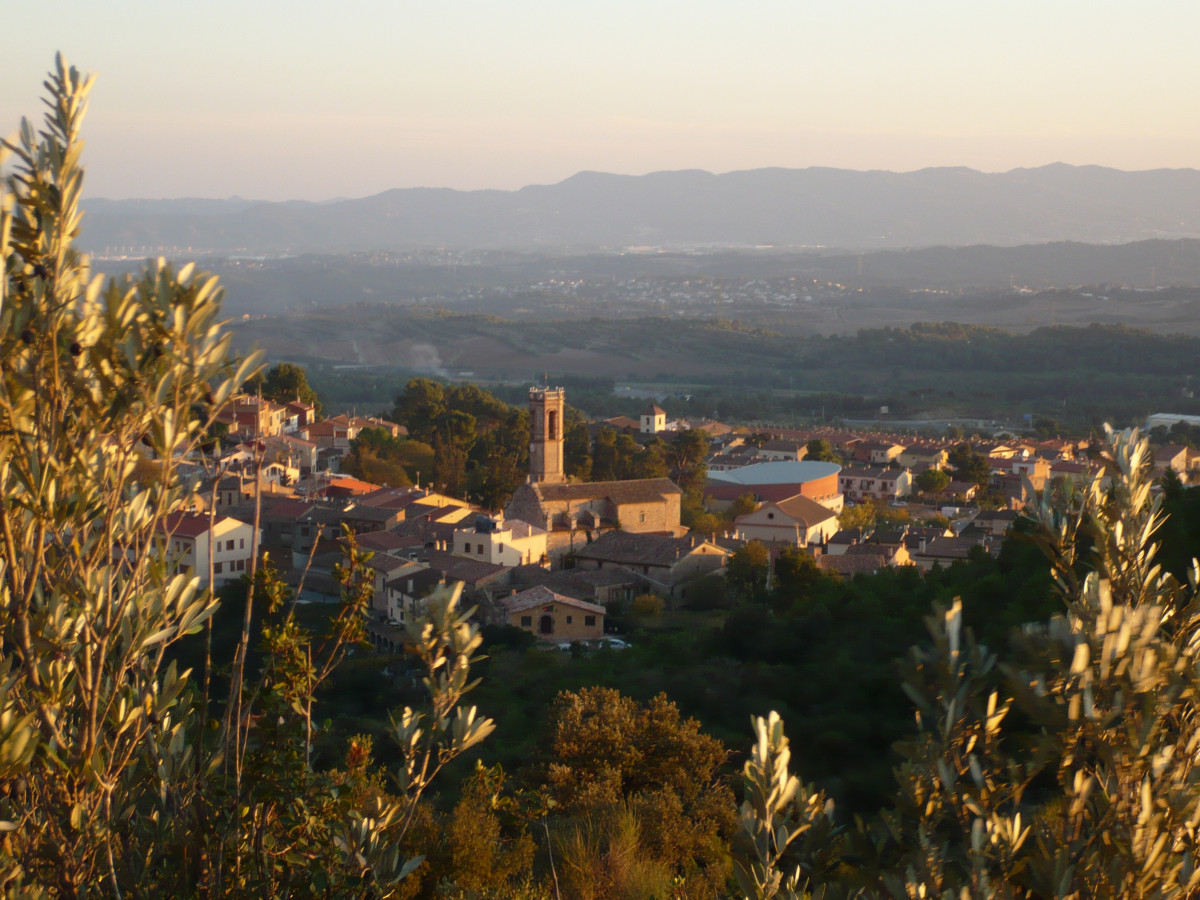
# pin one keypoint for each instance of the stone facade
(554, 617)
(642, 506)
(663, 564)
(546, 410)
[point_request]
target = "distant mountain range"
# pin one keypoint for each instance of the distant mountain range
(795, 208)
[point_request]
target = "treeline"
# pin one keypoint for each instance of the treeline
(949, 346)
(1080, 376)
(467, 442)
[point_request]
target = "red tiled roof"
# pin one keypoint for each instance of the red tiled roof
(386, 540)
(639, 490)
(349, 487)
(186, 524)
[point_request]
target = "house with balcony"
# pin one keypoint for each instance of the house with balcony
(877, 483)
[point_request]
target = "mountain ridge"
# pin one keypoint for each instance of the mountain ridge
(809, 207)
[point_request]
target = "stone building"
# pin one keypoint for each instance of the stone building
(554, 617)
(571, 511)
(546, 409)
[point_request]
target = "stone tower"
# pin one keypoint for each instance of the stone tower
(546, 448)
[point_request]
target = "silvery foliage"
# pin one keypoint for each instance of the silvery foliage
(1094, 794)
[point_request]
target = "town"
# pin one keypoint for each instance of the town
(560, 551)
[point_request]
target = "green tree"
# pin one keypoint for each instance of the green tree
(420, 407)
(968, 465)
(931, 481)
(685, 456)
(285, 382)
(606, 753)
(1045, 427)
(787, 840)
(747, 571)
(819, 450)
(796, 573)
(861, 516)
(377, 457)
(742, 505)
(604, 455)
(89, 374)
(577, 446)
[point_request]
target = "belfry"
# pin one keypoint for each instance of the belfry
(546, 407)
(567, 509)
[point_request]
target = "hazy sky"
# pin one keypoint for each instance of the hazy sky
(298, 99)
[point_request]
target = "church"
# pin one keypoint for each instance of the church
(576, 512)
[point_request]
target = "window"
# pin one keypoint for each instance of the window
(481, 549)
(241, 543)
(568, 620)
(241, 565)
(641, 517)
(500, 548)
(467, 547)
(526, 621)
(229, 544)
(589, 621)
(552, 425)
(216, 568)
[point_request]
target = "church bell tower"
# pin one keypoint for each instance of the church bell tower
(546, 448)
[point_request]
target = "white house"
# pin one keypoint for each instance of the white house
(875, 483)
(188, 541)
(501, 542)
(654, 420)
(798, 521)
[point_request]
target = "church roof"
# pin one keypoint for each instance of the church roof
(640, 490)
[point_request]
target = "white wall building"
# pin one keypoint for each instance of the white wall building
(188, 541)
(501, 542)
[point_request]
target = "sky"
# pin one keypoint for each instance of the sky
(312, 101)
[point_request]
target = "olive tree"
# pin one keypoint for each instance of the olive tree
(119, 773)
(94, 379)
(1092, 790)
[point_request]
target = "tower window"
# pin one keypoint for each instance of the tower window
(552, 425)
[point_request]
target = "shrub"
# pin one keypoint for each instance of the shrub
(647, 606)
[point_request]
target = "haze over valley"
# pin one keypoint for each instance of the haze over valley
(787, 208)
